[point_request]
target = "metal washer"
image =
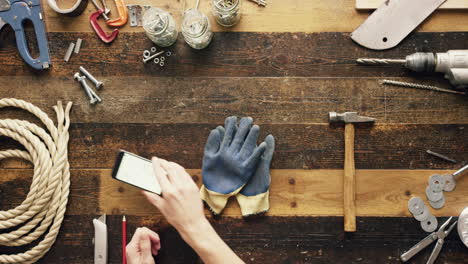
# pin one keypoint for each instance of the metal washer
(433, 196)
(416, 205)
(146, 54)
(438, 204)
(449, 182)
(430, 225)
(436, 182)
(424, 216)
(153, 49)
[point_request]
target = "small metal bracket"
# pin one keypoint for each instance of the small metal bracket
(135, 15)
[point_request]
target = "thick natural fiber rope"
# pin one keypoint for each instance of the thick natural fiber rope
(44, 207)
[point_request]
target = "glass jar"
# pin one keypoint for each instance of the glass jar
(160, 27)
(196, 29)
(227, 12)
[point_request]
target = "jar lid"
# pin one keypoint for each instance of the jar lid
(155, 20)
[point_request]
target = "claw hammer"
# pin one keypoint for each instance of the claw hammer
(349, 182)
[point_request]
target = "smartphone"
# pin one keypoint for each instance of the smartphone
(136, 171)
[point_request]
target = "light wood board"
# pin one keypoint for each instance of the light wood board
(277, 16)
(449, 4)
(310, 193)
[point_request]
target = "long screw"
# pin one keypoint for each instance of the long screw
(88, 75)
(421, 86)
(145, 60)
(430, 152)
(82, 81)
(370, 61)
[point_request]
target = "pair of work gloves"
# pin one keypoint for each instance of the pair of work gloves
(233, 165)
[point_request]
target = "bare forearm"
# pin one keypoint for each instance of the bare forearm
(208, 245)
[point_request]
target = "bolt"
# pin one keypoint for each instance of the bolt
(145, 60)
(82, 81)
(91, 77)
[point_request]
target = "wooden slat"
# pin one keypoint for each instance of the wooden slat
(449, 4)
(267, 55)
(311, 193)
(263, 240)
(278, 16)
(299, 146)
(292, 193)
(208, 100)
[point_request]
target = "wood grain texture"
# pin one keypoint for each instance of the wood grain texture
(349, 180)
(292, 193)
(263, 240)
(449, 4)
(331, 54)
(298, 146)
(278, 16)
(285, 100)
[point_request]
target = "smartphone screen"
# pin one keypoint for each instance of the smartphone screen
(136, 171)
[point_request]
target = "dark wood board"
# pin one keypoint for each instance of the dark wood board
(234, 54)
(282, 100)
(298, 146)
(264, 240)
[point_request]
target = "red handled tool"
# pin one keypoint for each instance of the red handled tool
(93, 19)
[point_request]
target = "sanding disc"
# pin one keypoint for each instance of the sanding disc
(433, 196)
(424, 216)
(436, 182)
(430, 225)
(449, 182)
(438, 204)
(416, 205)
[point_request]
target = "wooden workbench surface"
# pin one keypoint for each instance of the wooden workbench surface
(287, 66)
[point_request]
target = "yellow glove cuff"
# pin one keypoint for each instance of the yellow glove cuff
(251, 205)
(216, 201)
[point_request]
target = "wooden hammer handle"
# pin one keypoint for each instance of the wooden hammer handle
(349, 182)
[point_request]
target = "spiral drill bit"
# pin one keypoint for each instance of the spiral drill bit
(421, 86)
(370, 61)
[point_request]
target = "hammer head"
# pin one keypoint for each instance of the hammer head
(349, 117)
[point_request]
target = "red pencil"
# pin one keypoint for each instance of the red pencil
(124, 240)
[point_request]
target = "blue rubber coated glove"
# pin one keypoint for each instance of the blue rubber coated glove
(230, 159)
(254, 197)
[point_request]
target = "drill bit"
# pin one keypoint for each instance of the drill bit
(421, 86)
(370, 61)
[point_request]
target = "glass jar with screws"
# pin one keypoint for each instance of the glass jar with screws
(227, 12)
(160, 27)
(196, 29)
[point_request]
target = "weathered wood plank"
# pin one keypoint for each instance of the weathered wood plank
(286, 100)
(268, 54)
(299, 146)
(292, 193)
(264, 240)
(278, 16)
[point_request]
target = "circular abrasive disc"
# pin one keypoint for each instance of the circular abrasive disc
(436, 182)
(424, 216)
(430, 224)
(416, 205)
(463, 226)
(449, 182)
(433, 196)
(438, 204)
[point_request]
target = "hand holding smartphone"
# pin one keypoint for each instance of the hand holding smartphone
(136, 171)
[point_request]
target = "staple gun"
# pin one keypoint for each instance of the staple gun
(15, 13)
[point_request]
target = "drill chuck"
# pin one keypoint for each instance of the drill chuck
(421, 62)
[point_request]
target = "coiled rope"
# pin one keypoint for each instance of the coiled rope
(44, 207)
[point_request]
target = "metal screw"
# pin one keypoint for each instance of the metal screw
(91, 77)
(82, 80)
(145, 60)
